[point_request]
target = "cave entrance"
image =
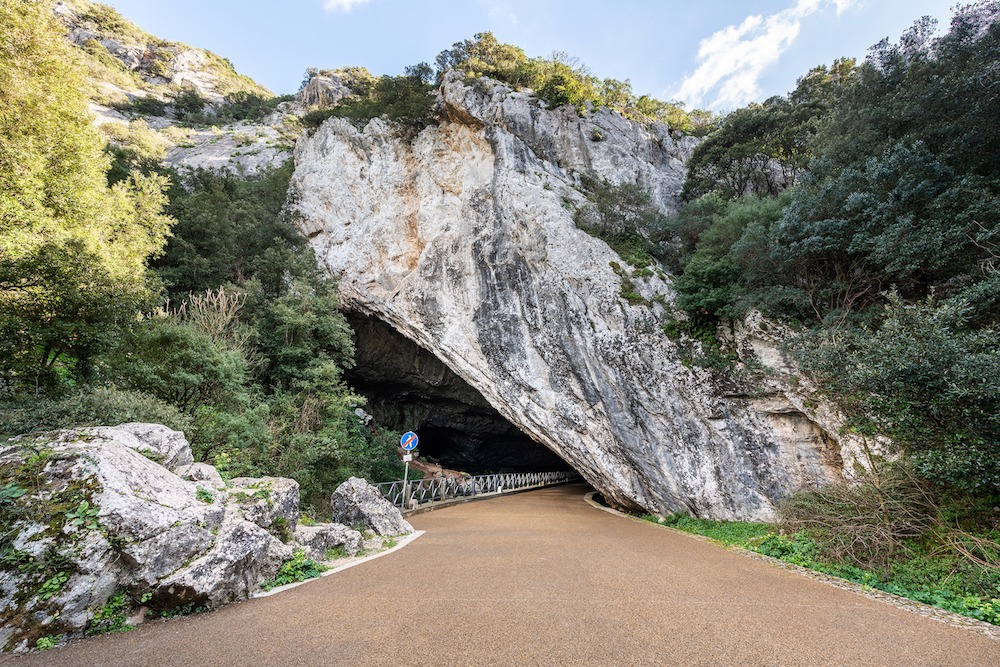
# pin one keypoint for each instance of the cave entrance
(408, 388)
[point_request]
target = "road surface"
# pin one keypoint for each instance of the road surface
(542, 578)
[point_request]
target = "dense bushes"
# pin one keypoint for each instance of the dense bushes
(73, 250)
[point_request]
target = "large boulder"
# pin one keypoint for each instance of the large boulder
(243, 556)
(356, 502)
(86, 516)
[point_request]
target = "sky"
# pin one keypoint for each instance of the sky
(712, 54)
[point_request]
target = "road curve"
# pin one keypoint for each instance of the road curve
(542, 578)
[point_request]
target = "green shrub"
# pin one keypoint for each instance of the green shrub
(730, 532)
(188, 105)
(87, 406)
(148, 106)
(298, 568)
(563, 80)
(47, 642)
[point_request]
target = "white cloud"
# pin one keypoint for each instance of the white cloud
(342, 5)
(732, 60)
(844, 5)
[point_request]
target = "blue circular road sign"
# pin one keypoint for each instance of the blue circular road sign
(409, 441)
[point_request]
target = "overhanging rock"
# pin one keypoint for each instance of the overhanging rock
(463, 241)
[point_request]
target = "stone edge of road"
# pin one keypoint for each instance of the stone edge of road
(403, 541)
(936, 613)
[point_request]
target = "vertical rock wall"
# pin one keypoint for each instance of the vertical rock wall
(463, 241)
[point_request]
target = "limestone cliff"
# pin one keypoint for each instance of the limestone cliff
(463, 241)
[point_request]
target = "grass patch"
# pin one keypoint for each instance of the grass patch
(923, 574)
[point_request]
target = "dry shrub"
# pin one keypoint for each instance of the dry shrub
(866, 524)
(216, 313)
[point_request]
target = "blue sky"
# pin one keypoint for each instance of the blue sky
(717, 54)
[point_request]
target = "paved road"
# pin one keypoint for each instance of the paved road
(542, 578)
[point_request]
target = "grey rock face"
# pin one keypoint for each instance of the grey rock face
(358, 502)
(322, 90)
(201, 472)
(169, 446)
(269, 502)
(316, 540)
(243, 555)
(116, 520)
(464, 242)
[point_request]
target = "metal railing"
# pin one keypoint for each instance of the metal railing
(445, 488)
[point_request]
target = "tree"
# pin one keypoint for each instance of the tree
(72, 250)
(928, 381)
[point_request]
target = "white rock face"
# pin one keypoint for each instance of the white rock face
(166, 446)
(242, 148)
(205, 475)
(464, 242)
(269, 502)
(97, 516)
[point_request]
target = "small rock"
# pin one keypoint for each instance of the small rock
(268, 502)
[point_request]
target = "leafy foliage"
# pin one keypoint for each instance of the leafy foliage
(761, 149)
(887, 245)
(626, 219)
(298, 568)
(112, 616)
(73, 251)
(563, 80)
(89, 406)
(925, 379)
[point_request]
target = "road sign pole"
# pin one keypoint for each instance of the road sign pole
(409, 443)
(406, 484)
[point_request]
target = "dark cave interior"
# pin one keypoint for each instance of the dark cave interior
(409, 389)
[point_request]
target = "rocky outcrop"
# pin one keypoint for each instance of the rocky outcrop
(88, 514)
(463, 241)
(356, 502)
(242, 148)
(322, 89)
(269, 502)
